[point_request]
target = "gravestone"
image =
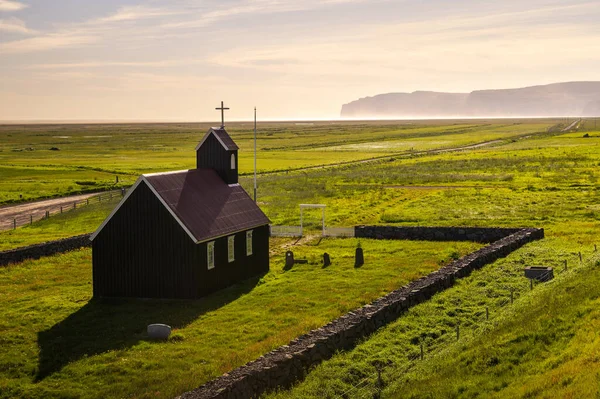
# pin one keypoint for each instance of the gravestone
(289, 259)
(539, 273)
(159, 331)
(326, 260)
(359, 257)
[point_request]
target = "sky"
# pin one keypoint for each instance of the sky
(175, 60)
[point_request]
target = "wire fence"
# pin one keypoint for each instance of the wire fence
(28, 218)
(339, 232)
(286, 231)
(297, 231)
(373, 384)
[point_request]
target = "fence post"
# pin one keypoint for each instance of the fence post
(87, 201)
(511, 296)
(580, 258)
(457, 332)
(487, 313)
(74, 205)
(14, 224)
(379, 379)
(30, 219)
(566, 268)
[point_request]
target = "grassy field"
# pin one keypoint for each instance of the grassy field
(58, 343)
(74, 222)
(529, 178)
(547, 182)
(38, 161)
(521, 343)
(544, 346)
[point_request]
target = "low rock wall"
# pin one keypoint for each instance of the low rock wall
(289, 363)
(44, 249)
(476, 234)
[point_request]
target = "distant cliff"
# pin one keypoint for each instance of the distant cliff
(559, 99)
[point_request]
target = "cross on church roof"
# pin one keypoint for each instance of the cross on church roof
(222, 108)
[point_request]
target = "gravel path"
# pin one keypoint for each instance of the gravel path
(37, 209)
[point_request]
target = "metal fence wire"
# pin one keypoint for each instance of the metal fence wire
(372, 385)
(28, 218)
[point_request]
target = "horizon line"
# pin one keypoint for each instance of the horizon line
(275, 120)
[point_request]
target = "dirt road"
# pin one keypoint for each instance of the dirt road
(36, 210)
(574, 125)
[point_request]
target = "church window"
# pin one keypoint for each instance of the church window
(230, 249)
(249, 243)
(232, 161)
(210, 254)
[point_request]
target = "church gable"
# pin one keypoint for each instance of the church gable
(200, 202)
(222, 137)
(129, 206)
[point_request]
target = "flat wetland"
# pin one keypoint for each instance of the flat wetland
(58, 342)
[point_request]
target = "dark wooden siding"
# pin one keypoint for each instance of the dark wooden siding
(225, 273)
(212, 155)
(143, 252)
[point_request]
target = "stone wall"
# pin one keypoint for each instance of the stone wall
(476, 234)
(289, 363)
(44, 249)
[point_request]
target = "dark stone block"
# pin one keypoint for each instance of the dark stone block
(45, 249)
(359, 258)
(539, 273)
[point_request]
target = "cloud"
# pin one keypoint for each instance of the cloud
(14, 25)
(45, 43)
(8, 5)
(107, 64)
(201, 17)
(134, 13)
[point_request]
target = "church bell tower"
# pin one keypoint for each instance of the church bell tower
(218, 151)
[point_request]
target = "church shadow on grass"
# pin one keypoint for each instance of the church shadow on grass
(111, 324)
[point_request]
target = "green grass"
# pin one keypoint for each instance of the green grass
(84, 219)
(91, 156)
(397, 346)
(552, 185)
(57, 342)
(545, 180)
(546, 345)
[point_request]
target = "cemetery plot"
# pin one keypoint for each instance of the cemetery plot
(456, 330)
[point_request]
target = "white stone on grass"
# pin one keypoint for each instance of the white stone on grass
(159, 331)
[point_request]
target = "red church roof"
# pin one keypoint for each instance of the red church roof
(202, 203)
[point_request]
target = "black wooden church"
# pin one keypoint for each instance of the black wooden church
(183, 234)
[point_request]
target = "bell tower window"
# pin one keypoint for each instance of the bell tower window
(232, 161)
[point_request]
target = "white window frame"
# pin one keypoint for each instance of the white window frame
(232, 161)
(230, 249)
(249, 243)
(210, 255)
